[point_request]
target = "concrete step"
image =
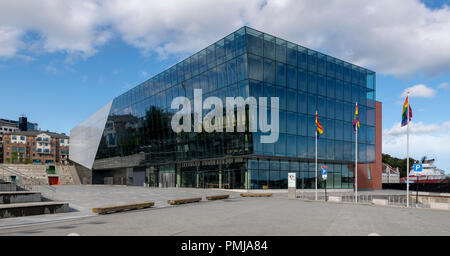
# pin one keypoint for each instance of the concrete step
(8, 187)
(13, 197)
(37, 208)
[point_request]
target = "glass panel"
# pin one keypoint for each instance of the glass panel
(241, 63)
(281, 93)
(302, 125)
(231, 72)
(194, 65)
(302, 58)
(312, 61)
(254, 42)
(269, 71)
(281, 74)
(202, 61)
(255, 67)
(331, 88)
(291, 77)
(291, 119)
(302, 146)
(321, 86)
(239, 37)
(281, 50)
(269, 47)
(330, 67)
(312, 83)
(281, 145)
(312, 105)
(291, 100)
(292, 54)
(331, 108)
(302, 81)
(302, 103)
(220, 51)
(230, 47)
(321, 63)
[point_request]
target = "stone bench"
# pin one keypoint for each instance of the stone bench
(122, 207)
(184, 201)
(217, 197)
(256, 194)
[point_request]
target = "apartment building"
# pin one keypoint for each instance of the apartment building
(38, 147)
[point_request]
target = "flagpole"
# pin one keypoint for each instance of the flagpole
(316, 156)
(407, 153)
(356, 159)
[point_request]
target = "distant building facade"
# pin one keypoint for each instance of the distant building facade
(37, 147)
(390, 174)
(8, 126)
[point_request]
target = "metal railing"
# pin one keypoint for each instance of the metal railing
(24, 181)
(392, 200)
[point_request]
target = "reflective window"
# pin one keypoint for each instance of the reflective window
(254, 42)
(312, 61)
(281, 50)
(302, 58)
(291, 100)
(291, 77)
(269, 47)
(302, 103)
(302, 81)
(255, 67)
(281, 74)
(291, 119)
(292, 54)
(269, 71)
(312, 83)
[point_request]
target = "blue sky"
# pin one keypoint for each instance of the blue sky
(60, 65)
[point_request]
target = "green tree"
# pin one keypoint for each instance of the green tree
(14, 157)
(397, 162)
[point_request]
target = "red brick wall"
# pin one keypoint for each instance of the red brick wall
(375, 168)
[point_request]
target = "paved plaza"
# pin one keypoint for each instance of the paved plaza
(275, 215)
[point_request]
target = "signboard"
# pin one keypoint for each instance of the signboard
(324, 172)
(292, 180)
(417, 167)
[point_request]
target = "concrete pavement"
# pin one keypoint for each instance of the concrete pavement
(254, 216)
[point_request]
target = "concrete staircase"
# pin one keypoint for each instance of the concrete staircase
(26, 203)
(32, 174)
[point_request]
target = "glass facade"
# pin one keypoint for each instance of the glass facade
(250, 63)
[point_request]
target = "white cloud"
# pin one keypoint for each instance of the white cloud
(443, 85)
(392, 37)
(419, 91)
(73, 26)
(10, 41)
(425, 140)
(415, 128)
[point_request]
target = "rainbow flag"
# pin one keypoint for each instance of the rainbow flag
(319, 127)
(404, 115)
(356, 119)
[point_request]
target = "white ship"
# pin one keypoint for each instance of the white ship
(429, 173)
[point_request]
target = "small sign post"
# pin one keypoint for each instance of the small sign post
(292, 185)
(324, 177)
(417, 169)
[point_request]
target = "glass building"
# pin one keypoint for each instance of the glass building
(130, 139)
